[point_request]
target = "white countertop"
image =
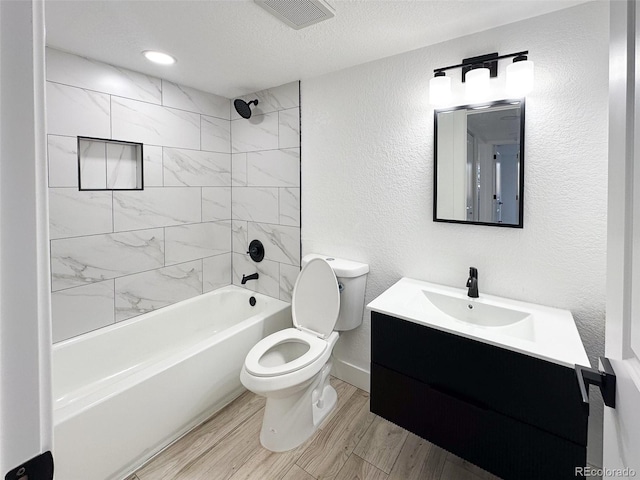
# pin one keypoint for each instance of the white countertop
(544, 332)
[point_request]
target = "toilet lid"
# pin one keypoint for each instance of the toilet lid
(316, 299)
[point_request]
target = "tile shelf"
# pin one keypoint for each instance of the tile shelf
(105, 164)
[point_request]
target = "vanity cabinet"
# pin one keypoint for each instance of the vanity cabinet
(514, 415)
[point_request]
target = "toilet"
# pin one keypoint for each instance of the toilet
(291, 367)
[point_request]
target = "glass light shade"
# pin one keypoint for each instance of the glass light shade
(440, 91)
(477, 84)
(159, 57)
(520, 78)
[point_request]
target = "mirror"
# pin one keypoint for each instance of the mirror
(479, 164)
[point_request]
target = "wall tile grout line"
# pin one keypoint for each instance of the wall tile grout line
(106, 169)
(192, 149)
(300, 164)
(113, 220)
(188, 224)
(136, 273)
(259, 150)
(114, 302)
(231, 191)
(156, 187)
(110, 117)
(164, 245)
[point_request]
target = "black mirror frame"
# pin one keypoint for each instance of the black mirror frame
(520, 223)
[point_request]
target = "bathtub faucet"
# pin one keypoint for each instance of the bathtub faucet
(245, 279)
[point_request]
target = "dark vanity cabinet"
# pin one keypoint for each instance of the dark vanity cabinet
(511, 414)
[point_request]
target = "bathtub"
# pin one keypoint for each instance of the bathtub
(124, 392)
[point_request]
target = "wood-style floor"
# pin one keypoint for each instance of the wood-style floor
(352, 443)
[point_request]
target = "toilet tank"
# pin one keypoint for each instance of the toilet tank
(352, 280)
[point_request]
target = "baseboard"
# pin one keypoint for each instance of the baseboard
(347, 372)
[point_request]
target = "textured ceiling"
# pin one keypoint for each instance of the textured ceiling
(235, 47)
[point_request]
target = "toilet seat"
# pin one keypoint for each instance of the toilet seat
(314, 308)
(316, 347)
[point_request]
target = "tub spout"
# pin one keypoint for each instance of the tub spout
(246, 278)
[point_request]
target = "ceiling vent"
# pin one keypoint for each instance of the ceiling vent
(298, 13)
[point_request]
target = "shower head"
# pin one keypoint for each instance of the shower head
(243, 108)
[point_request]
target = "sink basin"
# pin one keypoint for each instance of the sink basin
(454, 307)
(467, 310)
(544, 332)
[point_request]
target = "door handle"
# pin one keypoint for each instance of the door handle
(603, 379)
(38, 468)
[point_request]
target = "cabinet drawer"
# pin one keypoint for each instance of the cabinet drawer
(499, 444)
(539, 393)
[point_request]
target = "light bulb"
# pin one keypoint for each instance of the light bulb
(440, 90)
(159, 57)
(520, 77)
(477, 84)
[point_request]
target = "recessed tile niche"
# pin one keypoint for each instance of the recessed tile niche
(109, 164)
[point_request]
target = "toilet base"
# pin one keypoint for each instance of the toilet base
(330, 398)
(288, 422)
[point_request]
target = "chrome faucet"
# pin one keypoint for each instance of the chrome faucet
(472, 282)
(245, 279)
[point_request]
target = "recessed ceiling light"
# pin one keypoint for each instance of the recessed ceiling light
(159, 57)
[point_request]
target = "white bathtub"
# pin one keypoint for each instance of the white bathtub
(124, 392)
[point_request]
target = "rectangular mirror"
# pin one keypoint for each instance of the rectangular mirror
(479, 164)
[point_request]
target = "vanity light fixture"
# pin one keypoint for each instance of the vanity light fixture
(476, 72)
(159, 57)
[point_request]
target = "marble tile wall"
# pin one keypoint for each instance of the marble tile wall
(213, 181)
(118, 254)
(265, 189)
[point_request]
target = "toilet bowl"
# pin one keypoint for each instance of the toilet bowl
(291, 367)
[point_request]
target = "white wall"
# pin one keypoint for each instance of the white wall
(367, 175)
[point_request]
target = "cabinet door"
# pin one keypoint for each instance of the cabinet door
(499, 444)
(525, 388)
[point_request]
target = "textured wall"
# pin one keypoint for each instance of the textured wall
(367, 175)
(117, 254)
(266, 189)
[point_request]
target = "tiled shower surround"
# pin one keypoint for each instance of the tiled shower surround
(118, 254)
(266, 189)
